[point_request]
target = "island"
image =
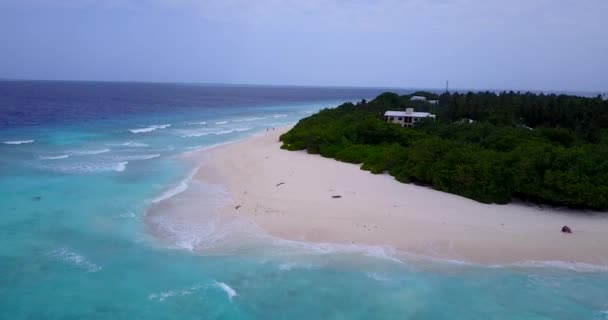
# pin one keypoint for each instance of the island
(489, 147)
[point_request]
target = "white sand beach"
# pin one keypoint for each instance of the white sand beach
(293, 195)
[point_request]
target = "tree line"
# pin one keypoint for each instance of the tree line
(485, 146)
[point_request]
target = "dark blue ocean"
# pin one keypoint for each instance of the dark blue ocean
(82, 164)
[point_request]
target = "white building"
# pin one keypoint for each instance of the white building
(433, 102)
(418, 98)
(406, 118)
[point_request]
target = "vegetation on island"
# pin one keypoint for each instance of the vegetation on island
(489, 147)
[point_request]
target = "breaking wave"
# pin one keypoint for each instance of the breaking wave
(162, 296)
(566, 265)
(177, 189)
(89, 152)
(194, 134)
(250, 119)
(19, 142)
(140, 157)
(229, 291)
(150, 128)
(134, 144)
(63, 156)
(92, 167)
(121, 166)
(197, 123)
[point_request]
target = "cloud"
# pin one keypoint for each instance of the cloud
(516, 43)
(373, 14)
(390, 15)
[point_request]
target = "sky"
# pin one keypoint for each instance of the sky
(475, 44)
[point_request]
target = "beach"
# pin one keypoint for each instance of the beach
(192, 210)
(303, 197)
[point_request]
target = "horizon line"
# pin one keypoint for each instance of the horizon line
(589, 91)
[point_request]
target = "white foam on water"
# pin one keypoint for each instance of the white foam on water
(223, 132)
(236, 130)
(232, 130)
(378, 276)
(250, 119)
(572, 266)
(76, 259)
(162, 296)
(195, 134)
(179, 188)
(197, 123)
(221, 122)
(287, 266)
(279, 115)
(380, 252)
(63, 156)
(19, 142)
(182, 233)
(90, 152)
(121, 166)
(150, 128)
(128, 215)
(229, 291)
(186, 226)
(134, 144)
(183, 224)
(139, 157)
(91, 167)
(176, 189)
(196, 149)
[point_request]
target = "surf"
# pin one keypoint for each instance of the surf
(64, 156)
(16, 142)
(150, 128)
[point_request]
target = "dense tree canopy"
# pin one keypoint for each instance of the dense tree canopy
(485, 146)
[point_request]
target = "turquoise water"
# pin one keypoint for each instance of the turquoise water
(90, 228)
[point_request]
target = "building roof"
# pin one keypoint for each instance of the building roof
(418, 98)
(405, 114)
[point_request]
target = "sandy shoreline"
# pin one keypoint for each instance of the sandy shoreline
(291, 195)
